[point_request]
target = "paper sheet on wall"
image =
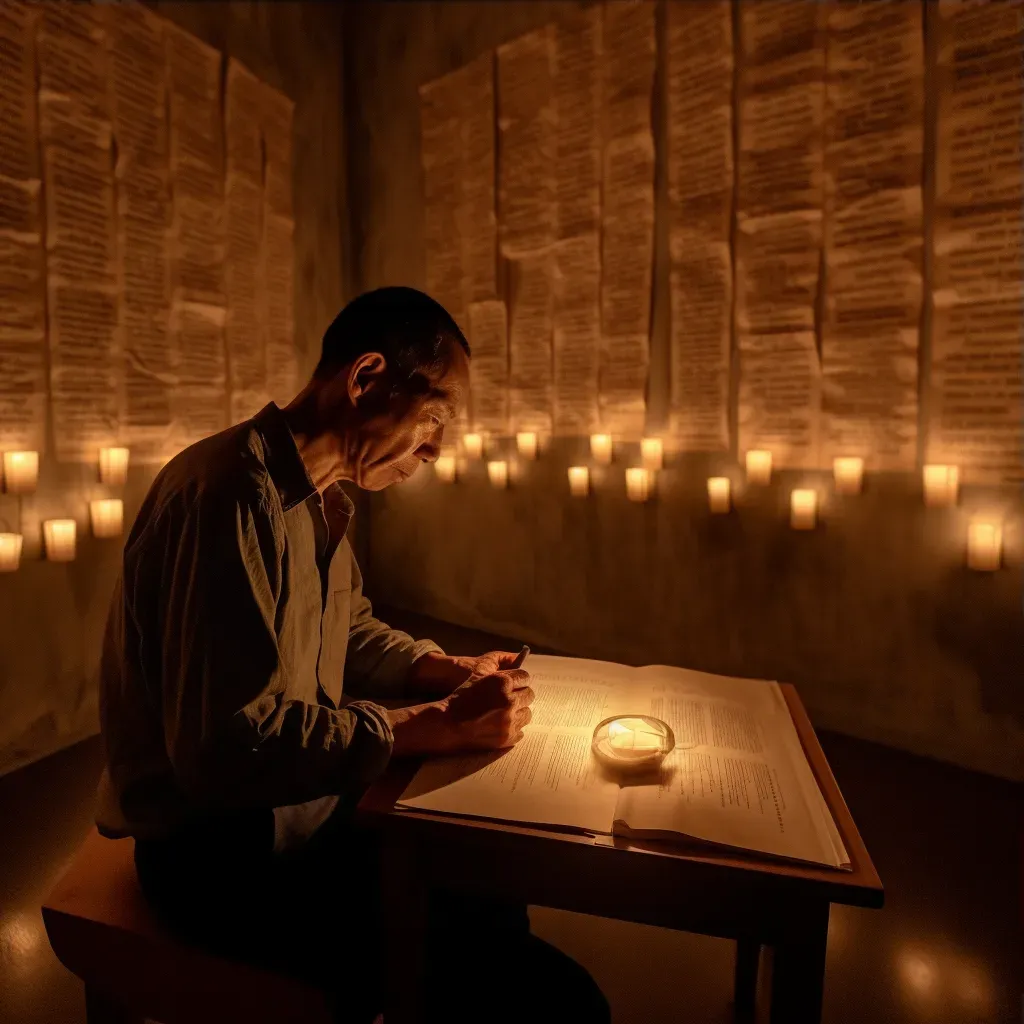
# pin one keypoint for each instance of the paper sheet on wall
(135, 46)
(976, 388)
(577, 254)
(577, 335)
(873, 233)
(244, 327)
(489, 367)
(627, 254)
(779, 220)
(22, 285)
(699, 68)
(78, 176)
(530, 330)
(527, 140)
(198, 234)
(457, 153)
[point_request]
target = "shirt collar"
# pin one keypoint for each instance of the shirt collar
(281, 457)
(285, 465)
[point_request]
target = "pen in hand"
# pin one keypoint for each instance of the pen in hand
(521, 657)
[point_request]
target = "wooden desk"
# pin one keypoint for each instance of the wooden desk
(757, 902)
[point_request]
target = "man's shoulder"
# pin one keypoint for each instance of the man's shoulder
(226, 469)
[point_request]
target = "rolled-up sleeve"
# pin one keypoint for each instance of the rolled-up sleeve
(379, 657)
(234, 731)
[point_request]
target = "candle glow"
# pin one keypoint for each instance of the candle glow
(473, 445)
(759, 466)
(59, 536)
(498, 474)
(652, 453)
(107, 517)
(579, 481)
(984, 546)
(113, 466)
(601, 448)
(21, 472)
(849, 474)
(638, 483)
(941, 485)
(10, 551)
(803, 506)
(719, 488)
(526, 444)
(444, 468)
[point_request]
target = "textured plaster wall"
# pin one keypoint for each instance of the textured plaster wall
(873, 616)
(52, 615)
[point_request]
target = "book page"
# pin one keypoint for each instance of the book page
(550, 777)
(736, 776)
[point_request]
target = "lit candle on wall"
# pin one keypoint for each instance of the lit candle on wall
(803, 506)
(444, 468)
(526, 443)
(10, 551)
(984, 546)
(21, 472)
(113, 465)
(473, 445)
(849, 474)
(59, 535)
(601, 448)
(107, 517)
(638, 483)
(941, 484)
(579, 481)
(498, 474)
(759, 466)
(719, 489)
(652, 452)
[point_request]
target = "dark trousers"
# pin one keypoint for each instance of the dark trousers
(314, 913)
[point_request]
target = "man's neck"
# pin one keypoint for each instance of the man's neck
(323, 452)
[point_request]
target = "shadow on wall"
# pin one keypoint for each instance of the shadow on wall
(979, 620)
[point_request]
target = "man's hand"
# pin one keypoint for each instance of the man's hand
(487, 711)
(437, 675)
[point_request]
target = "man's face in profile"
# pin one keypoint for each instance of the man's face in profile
(405, 427)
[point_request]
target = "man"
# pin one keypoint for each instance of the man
(238, 634)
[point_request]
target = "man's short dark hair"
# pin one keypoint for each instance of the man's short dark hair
(406, 326)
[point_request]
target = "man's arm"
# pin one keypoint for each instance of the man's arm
(234, 732)
(379, 658)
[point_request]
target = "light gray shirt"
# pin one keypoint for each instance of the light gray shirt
(237, 631)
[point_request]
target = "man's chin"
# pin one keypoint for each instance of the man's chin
(396, 475)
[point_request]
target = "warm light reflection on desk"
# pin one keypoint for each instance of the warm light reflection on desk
(719, 491)
(803, 506)
(984, 545)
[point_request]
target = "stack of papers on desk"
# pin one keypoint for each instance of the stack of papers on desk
(737, 778)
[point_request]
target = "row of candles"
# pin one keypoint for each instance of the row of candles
(941, 485)
(21, 476)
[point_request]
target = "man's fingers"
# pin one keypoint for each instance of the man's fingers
(523, 717)
(523, 697)
(502, 659)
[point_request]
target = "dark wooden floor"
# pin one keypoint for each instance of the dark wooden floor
(947, 948)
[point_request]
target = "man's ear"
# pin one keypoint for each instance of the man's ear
(366, 374)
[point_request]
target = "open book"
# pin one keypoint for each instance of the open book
(738, 776)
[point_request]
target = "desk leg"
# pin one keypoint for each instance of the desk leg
(404, 901)
(798, 971)
(748, 954)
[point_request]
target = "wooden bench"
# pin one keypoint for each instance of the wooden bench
(102, 929)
